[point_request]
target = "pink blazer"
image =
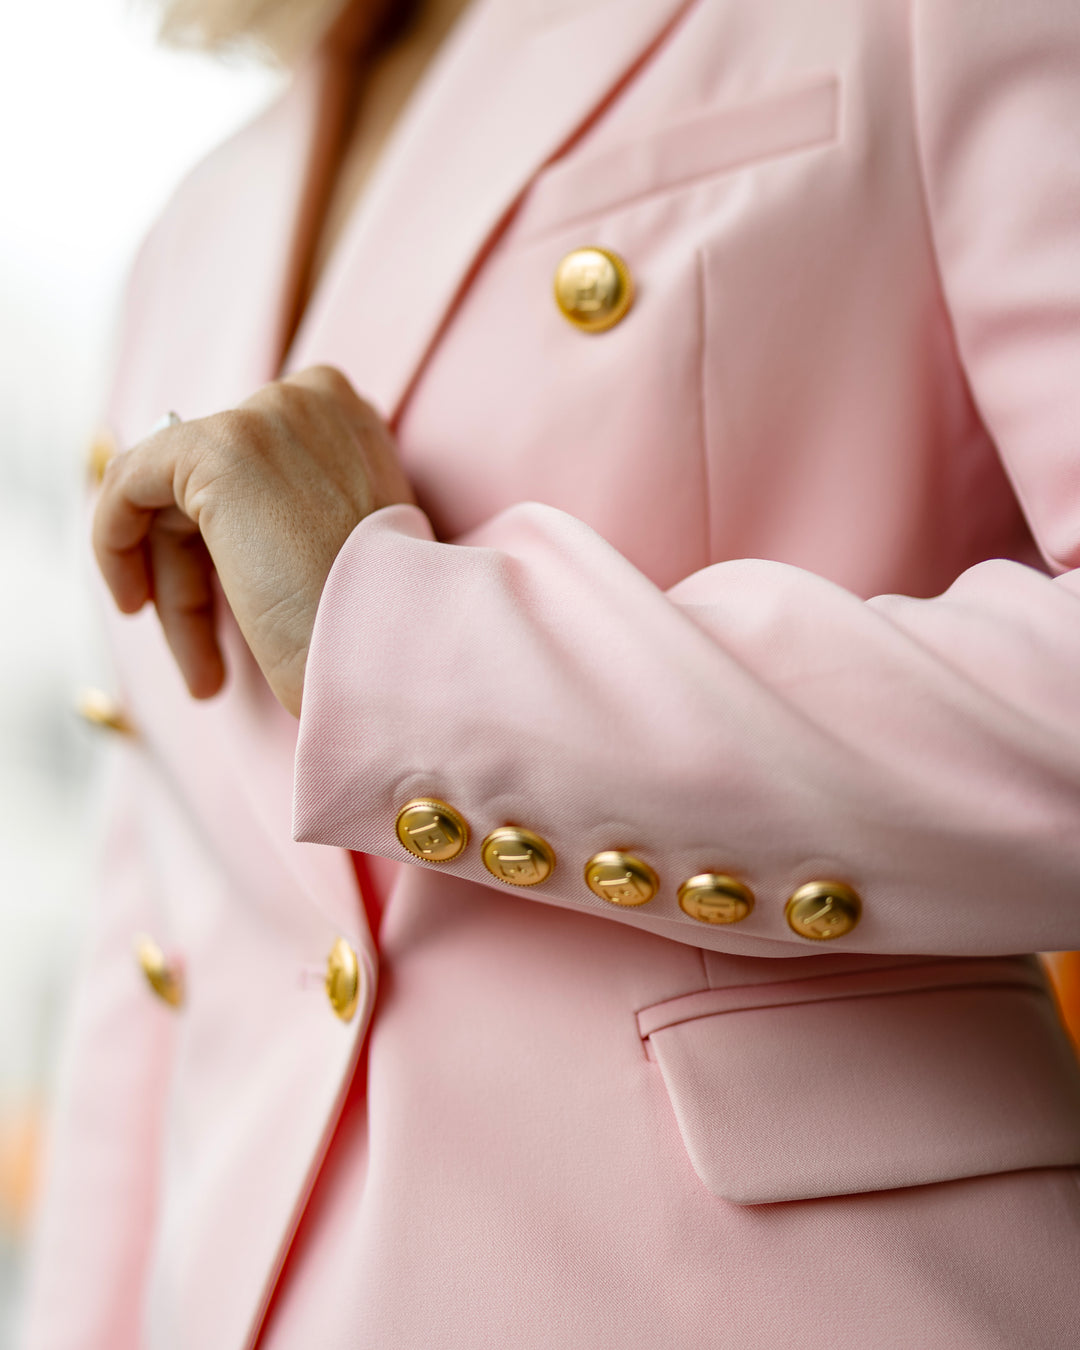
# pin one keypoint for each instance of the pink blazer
(774, 579)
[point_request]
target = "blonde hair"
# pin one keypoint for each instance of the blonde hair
(280, 30)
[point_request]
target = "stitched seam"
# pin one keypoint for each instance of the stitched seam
(703, 403)
(843, 998)
(821, 975)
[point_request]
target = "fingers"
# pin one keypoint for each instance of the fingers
(118, 537)
(264, 495)
(137, 485)
(183, 594)
(148, 549)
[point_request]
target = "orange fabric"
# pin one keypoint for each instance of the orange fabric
(1064, 968)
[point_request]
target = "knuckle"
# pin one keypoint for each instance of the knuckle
(329, 381)
(227, 438)
(281, 401)
(237, 427)
(331, 376)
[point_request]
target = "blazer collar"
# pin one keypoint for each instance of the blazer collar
(516, 81)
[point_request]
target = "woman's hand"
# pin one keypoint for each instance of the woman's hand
(265, 494)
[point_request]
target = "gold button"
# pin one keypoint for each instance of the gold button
(518, 856)
(713, 898)
(102, 449)
(97, 708)
(621, 878)
(343, 980)
(165, 979)
(431, 830)
(593, 288)
(822, 910)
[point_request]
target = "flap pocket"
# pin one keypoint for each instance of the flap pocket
(869, 1081)
(681, 153)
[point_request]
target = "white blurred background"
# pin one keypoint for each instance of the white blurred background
(97, 125)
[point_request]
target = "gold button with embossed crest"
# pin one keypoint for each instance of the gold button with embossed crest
(163, 976)
(517, 856)
(97, 708)
(593, 288)
(343, 980)
(621, 878)
(712, 897)
(432, 830)
(823, 910)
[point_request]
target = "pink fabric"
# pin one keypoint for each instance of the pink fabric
(103, 1192)
(778, 578)
(763, 1121)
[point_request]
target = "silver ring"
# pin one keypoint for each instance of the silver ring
(169, 419)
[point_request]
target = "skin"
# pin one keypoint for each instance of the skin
(263, 496)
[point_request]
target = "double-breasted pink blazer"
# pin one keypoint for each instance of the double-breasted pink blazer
(773, 580)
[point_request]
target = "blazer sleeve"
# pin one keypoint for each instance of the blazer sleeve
(757, 720)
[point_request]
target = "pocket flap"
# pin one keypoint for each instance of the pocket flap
(869, 1081)
(715, 141)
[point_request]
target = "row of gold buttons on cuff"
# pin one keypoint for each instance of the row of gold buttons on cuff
(435, 832)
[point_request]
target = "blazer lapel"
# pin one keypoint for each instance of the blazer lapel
(508, 92)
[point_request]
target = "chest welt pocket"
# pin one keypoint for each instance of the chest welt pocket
(868, 1081)
(591, 183)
